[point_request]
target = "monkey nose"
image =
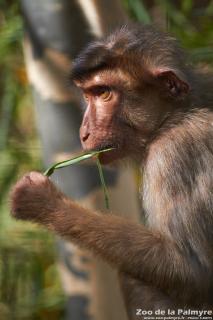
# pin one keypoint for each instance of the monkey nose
(84, 134)
(85, 137)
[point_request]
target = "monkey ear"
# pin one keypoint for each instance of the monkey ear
(172, 83)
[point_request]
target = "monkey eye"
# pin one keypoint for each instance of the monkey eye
(105, 94)
(102, 92)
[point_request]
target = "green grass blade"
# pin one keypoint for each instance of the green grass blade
(78, 159)
(66, 163)
(72, 161)
(106, 196)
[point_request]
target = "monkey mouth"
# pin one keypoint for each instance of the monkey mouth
(110, 156)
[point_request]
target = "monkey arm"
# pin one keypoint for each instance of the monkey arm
(130, 247)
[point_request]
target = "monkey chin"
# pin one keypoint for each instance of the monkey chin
(111, 157)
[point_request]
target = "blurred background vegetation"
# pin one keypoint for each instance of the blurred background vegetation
(29, 282)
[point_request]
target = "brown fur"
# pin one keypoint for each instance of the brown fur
(160, 114)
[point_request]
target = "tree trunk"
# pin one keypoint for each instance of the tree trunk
(56, 30)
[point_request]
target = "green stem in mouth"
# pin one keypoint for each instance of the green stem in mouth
(78, 159)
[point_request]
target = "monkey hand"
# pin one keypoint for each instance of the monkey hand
(35, 198)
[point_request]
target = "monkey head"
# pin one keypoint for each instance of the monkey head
(131, 82)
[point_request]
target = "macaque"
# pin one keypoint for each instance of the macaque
(145, 101)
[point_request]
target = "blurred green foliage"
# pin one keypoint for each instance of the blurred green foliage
(137, 10)
(29, 283)
(191, 21)
(194, 27)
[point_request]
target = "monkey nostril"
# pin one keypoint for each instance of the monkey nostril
(85, 137)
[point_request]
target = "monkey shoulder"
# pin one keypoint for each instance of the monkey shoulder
(178, 180)
(185, 144)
